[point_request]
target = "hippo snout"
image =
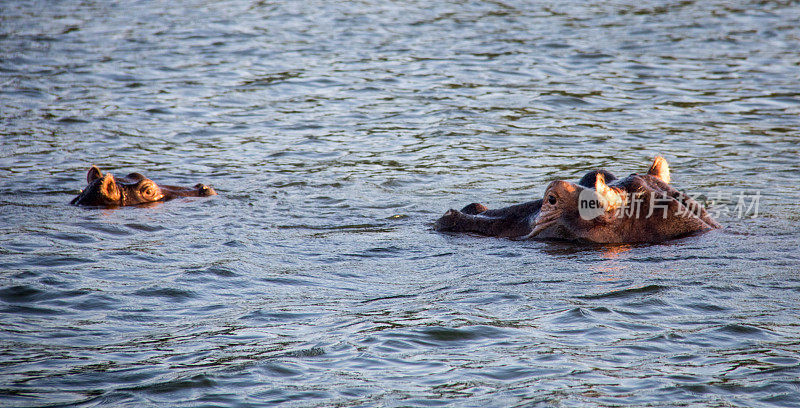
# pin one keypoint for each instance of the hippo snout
(204, 190)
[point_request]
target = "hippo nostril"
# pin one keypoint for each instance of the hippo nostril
(204, 190)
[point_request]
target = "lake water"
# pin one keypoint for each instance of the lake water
(335, 134)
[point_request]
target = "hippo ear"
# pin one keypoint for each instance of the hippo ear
(612, 199)
(137, 177)
(660, 169)
(93, 174)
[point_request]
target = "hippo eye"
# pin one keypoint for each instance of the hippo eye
(148, 190)
(551, 199)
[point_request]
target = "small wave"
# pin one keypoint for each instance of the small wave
(144, 227)
(175, 385)
(52, 261)
(30, 310)
(289, 281)
(571, 316)
(171, 293)
(311, 352)
(20, 293)
(277, 316)
(392, 297)
(743, 330)
(28, 294)
(450, 334)
(628, 292)
(213, 270)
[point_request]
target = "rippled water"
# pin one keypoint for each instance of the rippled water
(335, 134)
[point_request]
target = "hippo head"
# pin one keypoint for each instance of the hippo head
(638, 208)
(107, 191)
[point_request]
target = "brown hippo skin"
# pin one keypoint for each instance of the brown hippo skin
(106, 191)
(599, 209)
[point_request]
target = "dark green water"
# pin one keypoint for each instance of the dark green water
(336, 133)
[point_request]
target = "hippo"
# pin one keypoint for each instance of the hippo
(600, 208)
(106, 191)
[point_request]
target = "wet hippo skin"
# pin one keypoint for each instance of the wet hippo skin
(600, 208)
(104, 190)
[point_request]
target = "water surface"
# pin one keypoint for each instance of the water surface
(336, 133)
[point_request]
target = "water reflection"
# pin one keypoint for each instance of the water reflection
(614, 251)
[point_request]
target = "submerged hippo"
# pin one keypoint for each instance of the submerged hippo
(106, 191)
(600, 208)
